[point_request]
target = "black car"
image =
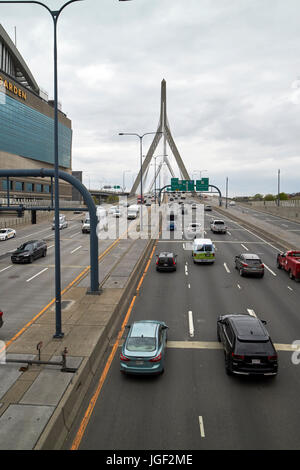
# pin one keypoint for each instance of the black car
(248, 348)
(1, 318)
(29, 251)
(166, 262)
(248, 263)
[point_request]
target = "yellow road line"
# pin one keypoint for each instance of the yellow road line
(91, 406)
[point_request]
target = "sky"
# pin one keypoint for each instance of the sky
(232, 71)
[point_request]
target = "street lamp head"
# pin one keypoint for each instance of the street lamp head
(121, 133)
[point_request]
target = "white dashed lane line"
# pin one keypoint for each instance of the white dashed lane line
(30, 279)
(270, 270)
(226, 267)
(191, 324)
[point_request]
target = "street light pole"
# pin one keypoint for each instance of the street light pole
(141, 166)
(55, 15)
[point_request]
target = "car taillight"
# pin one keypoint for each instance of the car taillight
(156, 359)
(238, 356)
(262, 265)
(124, 358)
(272, 358)
(174, 262)
(1, 313)
(157, 262)
(245, 265)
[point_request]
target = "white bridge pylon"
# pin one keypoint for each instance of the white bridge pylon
(163, 130)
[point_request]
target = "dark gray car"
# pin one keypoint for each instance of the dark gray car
(247, 263)
(29, 251)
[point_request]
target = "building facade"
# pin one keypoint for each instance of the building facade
(27, 129)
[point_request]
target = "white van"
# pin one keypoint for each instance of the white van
(62, 222)
(133, 211)
(203, 250)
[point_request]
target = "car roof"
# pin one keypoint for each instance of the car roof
(250, 256)
(248, 328)
(166, 254)
(146, 328)
(206, 241)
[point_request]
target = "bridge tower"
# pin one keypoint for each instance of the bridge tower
(163, 130)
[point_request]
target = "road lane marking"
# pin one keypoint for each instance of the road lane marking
(216, 345)
(226, 267)
(41, 272)
(245, 248)
(189, 286)
(186, 270)
(74, 235)
(191, 324)
(270, 270)
(202, 433)
(7, 267)
(78, 248)
(287, 287)
(228, 232)
(251, 312)
(239, 286)
(92, 403)
(51, 246)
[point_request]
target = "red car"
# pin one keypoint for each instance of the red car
(290, 262)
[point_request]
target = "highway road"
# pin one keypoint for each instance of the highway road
(194, 404)
(28, 288)
(277, 221)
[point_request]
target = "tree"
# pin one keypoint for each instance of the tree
(283, 196)
(258, 197)
(269, 197)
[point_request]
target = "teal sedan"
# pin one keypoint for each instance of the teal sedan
(143, 351)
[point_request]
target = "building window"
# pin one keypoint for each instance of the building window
(39, 188)
(19, 186)
(46, 188)
(4, 185)
(29, 187)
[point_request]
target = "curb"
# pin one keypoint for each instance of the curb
(59, 425)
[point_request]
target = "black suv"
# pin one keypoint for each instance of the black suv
(166, 262)
(248, 348)
(29, 251)
(247, 263)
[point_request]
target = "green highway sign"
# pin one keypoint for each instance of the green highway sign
(117, 187)
(202, 185)
(174, 184)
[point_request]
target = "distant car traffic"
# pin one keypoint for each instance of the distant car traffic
(218, 226)
(247, 263)
(29, 251)
(248, 348)
(6, 233)
(207, 208)
(62, 223)
(166, 262)
(143, 351)
(194, 230)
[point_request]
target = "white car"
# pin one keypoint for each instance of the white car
(117, 213)
(6, 233)
(113, 209)
(194, 230)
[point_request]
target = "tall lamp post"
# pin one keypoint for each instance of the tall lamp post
(157, 156)
(141, 165)
(55, 15)
(126, 171)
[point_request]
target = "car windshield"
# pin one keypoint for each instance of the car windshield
(255, 347)
(140, 343)
(253, 262)
(218, 222)
(26, 246)
(203, 248)
(3, 231)
(166, 260)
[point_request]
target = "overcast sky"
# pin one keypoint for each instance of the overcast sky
(233, 84)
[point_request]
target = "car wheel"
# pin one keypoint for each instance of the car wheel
(218, 336)
(227, 365)
(44, 253)
(241, 272)
(262, 275)
(278, 265)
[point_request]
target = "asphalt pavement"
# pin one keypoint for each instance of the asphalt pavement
(194, 404)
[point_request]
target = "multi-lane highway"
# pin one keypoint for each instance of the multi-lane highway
(194, 404)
